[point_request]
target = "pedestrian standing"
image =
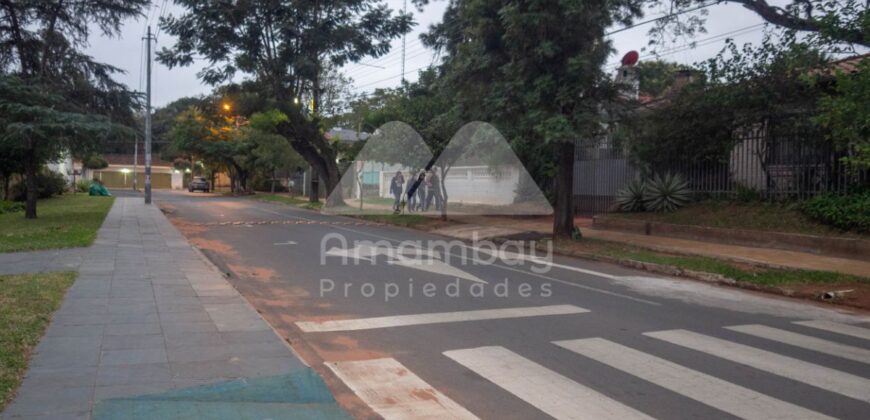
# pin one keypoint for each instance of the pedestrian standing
(435, 191)
(421, 190)
(396, 189)
(411, 192)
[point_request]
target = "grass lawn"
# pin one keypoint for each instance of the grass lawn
(26, 304)
(776, 217)
(739, 272)
(407, 220)
(286, 199)
(62, 222)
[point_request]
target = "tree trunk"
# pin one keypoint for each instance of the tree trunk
(6, 182)
(443, 186)
(563, 212)
(30, 169)
(306, 139)
(314, 193)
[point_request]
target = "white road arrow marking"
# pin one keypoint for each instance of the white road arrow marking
(423, 260)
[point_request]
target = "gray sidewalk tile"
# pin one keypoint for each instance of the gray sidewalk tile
(133, 341)
(146, 315)
(130, 329)
(133, 357)
(134, 374)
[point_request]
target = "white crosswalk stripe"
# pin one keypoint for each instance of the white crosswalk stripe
(725, 396)
(544, 389)
(798, 370)
(436, 318)
(805, 341)
(395, 392)
(835, 327)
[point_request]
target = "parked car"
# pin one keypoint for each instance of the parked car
(198, 183)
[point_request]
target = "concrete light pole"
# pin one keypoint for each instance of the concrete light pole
(148, 118)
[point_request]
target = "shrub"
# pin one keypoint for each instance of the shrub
(265, 185)
(95, 162)
(847, 212)
(83, 185)
(631, 198)
(664, 193)
(48, 184)
(10, 206)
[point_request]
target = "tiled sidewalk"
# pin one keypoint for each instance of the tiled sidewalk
(42, 261)
(146, 315)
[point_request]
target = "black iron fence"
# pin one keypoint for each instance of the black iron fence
(782, 167)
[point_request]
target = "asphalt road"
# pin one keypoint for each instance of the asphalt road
(523, 339)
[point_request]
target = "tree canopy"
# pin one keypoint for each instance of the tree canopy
(284, 47)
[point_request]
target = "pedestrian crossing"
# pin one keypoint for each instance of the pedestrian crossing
(730, 398)
(394, 391)
(810, 343)
(788, 367)
(548, 391)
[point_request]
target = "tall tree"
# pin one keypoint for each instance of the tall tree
(34, 126)
(535, 69)
(284, 46)
(844, 22)
(53, 85)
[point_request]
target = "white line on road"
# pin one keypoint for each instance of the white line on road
(538, 260)
(798, 370)
(395, 392)
(835, 327)
(436, 318)
(725, 396)
(799, 340)
(560, 281)
(544, 389)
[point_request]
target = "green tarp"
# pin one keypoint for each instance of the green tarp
(98, 189)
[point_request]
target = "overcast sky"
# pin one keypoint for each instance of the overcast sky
(126, 52)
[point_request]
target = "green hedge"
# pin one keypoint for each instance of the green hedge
(847, 212)
(11, 206)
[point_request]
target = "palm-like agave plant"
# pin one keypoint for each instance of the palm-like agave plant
(631, 198)
(666, 193)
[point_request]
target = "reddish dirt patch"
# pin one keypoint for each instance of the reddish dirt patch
(218, 247)
(338, 348)
(427, 394)
(260, 273)
(850, 294)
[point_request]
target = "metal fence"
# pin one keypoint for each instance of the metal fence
(788, 165)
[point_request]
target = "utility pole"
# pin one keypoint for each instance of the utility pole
(404, 10)
(148, 118)
(135, 162)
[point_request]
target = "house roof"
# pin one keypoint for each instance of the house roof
(127, 159)
(345, 134)
(849, 64)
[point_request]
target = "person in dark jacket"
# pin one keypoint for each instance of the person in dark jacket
(411, 193)
(421, 191)
(434, 192)
(396, 189)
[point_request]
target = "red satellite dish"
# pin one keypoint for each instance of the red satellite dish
(630, 58)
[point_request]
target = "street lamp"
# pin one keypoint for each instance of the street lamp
(125, 171)
(227, 106)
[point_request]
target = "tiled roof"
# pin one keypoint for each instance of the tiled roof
(127, 159)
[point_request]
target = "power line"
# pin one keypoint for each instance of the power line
(667, 16)
(368, 72)
(648, 21)
(162, 12)
(705, 41)
(702, 42)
